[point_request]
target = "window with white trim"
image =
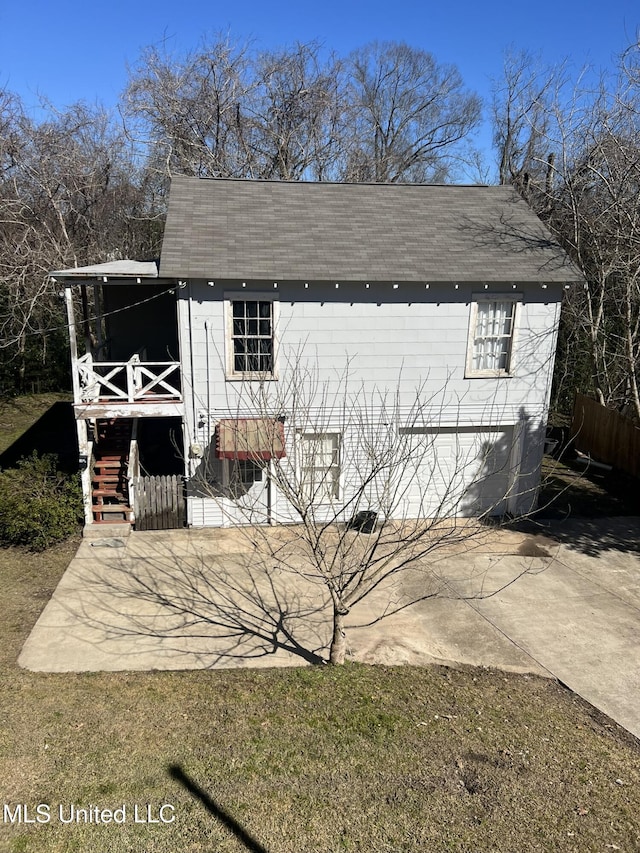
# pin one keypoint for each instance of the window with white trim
(320, 465)
(251, 338)
(491, 336)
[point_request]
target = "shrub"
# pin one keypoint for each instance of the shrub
(39, 505)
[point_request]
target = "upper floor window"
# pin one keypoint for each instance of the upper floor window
(492, 329)
(251, 338)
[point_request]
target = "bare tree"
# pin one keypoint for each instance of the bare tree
(224, 111)
(389, 113)
(573, 153)
(522, 113)
(69, 195)
(408, 114)
(190, 112)
(296, 114)
(360, 496)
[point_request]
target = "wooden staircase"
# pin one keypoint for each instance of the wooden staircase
(109, 485)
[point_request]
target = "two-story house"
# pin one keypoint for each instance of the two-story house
(293, 330)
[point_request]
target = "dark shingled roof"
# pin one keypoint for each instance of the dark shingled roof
(235, 229)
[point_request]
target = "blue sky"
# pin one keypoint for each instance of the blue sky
(77, 50)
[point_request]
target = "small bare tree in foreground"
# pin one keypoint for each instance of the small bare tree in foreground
(364, 492)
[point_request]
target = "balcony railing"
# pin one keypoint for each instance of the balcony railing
(131, 381)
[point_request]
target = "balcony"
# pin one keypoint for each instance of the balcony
(132, 388)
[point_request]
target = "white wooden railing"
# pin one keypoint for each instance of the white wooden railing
(129, 381)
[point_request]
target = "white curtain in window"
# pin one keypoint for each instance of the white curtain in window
(492, 341)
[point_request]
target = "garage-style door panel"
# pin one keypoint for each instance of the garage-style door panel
(464, 471)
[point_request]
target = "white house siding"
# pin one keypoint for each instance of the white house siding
(392, 339)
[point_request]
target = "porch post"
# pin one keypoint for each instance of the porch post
(85, 449)
(73, 345)
(97, 302)
(88, 343)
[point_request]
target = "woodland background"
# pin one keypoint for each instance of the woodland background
(86, 184)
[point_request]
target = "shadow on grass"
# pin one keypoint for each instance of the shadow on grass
(251, 844)
(53, 432)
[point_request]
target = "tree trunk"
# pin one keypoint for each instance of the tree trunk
(631, 356)
(338, 648)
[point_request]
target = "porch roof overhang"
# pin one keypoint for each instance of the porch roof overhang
(110, 270)
(250, 438)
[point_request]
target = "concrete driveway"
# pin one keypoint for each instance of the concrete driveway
(561, 600)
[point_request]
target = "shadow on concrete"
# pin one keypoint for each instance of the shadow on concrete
(222, 610)
(591, 536)
(232, 825)
(53, 432)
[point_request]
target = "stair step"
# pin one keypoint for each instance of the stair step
(113, 521)
(109, 492)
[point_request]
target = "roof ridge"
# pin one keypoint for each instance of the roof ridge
(276, 182)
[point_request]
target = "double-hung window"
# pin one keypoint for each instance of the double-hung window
(491, 336)
(320, 466)
(251, 338)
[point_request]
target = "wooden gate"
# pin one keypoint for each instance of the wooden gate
(159, 503)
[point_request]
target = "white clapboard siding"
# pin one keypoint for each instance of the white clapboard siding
(394, 341)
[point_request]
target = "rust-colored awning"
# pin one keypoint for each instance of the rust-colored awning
(250, 438)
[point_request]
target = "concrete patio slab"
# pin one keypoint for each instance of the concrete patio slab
(199, 599)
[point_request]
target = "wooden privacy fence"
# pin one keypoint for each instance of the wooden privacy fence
(606, 435)
(159, 502)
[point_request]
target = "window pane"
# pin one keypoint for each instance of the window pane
(492, 340)
(320, 465)
(252, 334)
